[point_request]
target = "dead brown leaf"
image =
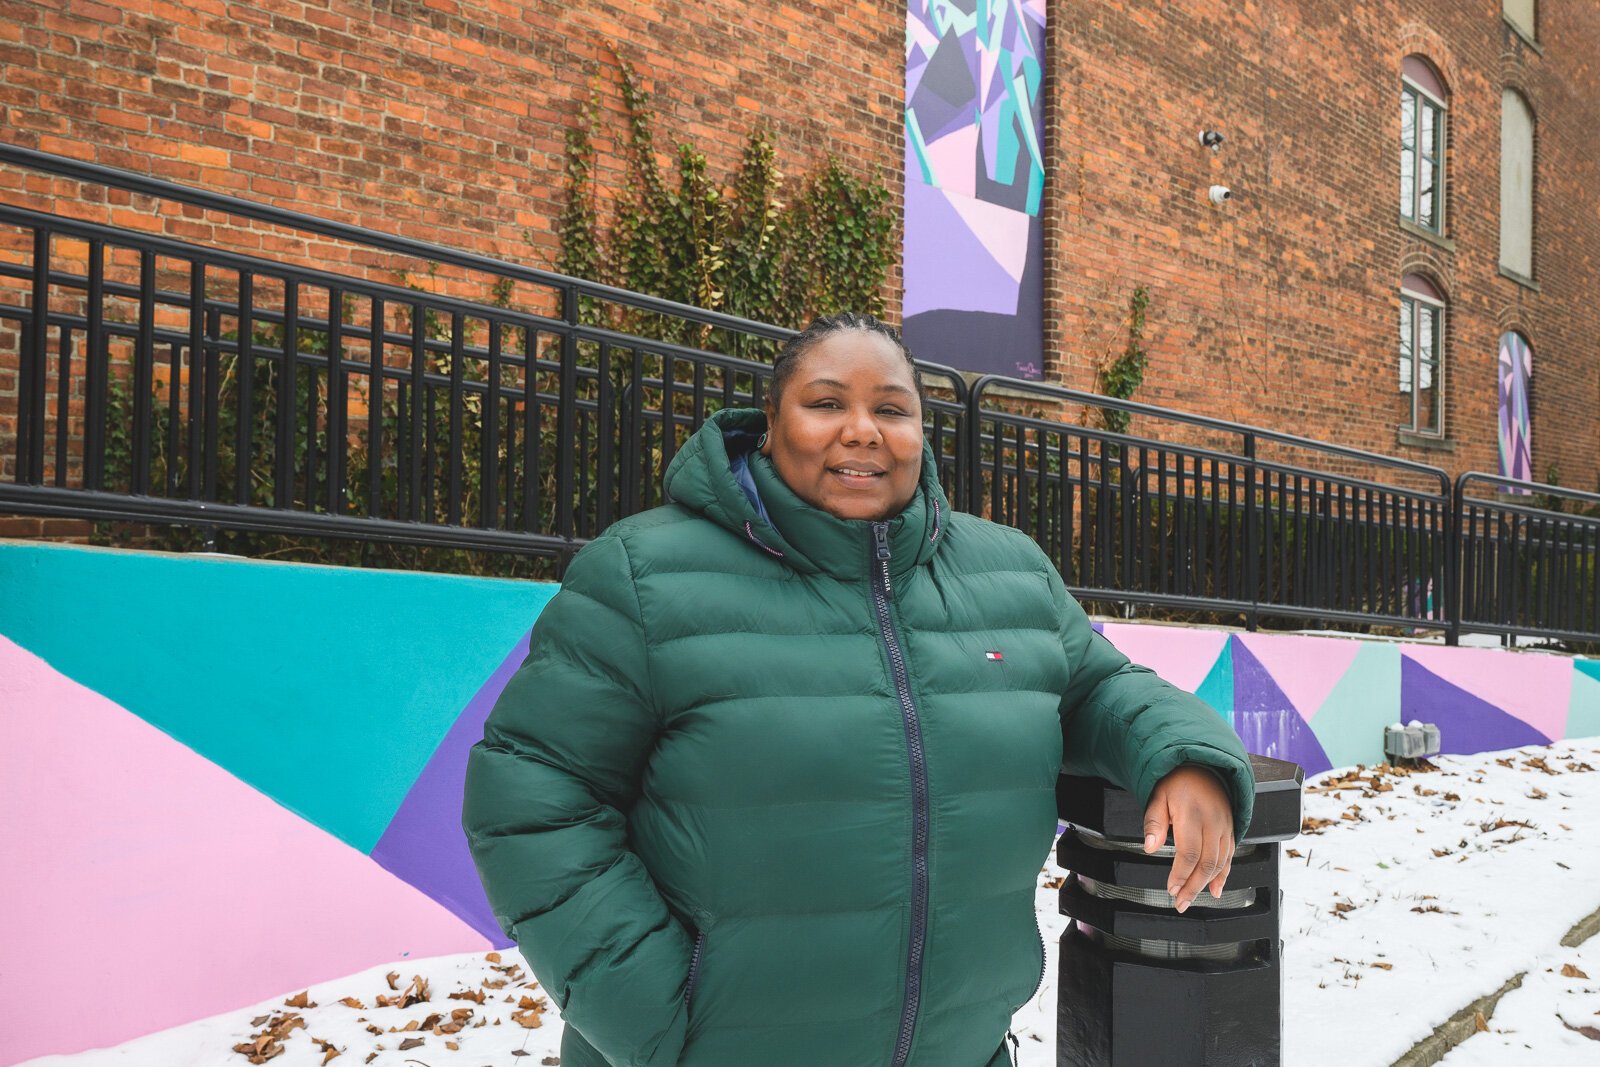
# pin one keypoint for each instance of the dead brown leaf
(475, 995)
(1590, 1032)
(1384, 966)
(352, 1002)
(1569, 971)
(1292, 853)
(392, 978)
(412, 1042)
(528, 1019)
(492, 957)
(1478, 1021)
(299, 1000)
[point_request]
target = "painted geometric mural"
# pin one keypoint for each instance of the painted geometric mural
(274, 799)
(1516, 377)
(1323, 702)
(974, 180)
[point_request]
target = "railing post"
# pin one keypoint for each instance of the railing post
(566, 415)
(31, 372)
(1138, 982)
(974, 464)
(1252, 540)
(1452, 593)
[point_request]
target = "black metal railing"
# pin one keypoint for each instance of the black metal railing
(1355, 537)
(514, 410)
(1525, 567)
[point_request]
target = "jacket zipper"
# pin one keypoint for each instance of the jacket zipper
(1040, 984)
(882, 593)
(694, 969)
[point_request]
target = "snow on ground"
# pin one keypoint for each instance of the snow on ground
(1410, 895)
(1553, 1018)
(367, 1018)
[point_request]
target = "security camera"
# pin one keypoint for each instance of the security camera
(1221, 194)
(1211, 139)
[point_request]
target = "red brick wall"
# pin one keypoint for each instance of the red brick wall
(439, 119)
(1282, 308)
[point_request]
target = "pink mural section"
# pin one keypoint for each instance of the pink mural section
(1323, 700)
(129, 856)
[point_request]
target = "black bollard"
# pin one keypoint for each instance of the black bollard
(1141, 984)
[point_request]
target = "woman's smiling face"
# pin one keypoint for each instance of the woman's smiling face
(847, 433)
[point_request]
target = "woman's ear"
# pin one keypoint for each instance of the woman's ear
(765, 446)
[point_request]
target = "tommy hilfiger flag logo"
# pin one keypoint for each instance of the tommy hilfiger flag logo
(993, 656)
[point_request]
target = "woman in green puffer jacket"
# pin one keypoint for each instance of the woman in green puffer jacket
(775, 782)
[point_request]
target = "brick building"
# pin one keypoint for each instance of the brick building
(1284, 307)
(444, 119)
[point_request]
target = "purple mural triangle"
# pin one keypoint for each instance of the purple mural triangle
(1467, 723)
(1281, 734)
(424, 843)
(1254, 688)
(1266, 720)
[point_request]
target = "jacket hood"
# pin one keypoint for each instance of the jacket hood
(807, 538)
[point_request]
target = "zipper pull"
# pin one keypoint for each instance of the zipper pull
(880, 540)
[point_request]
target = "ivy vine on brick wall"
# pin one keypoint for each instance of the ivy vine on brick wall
(1121, 377)
(755, 246)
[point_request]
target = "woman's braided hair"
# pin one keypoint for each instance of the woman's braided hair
(788, 360)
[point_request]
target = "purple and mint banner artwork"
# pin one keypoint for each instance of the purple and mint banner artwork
(974, 247)
(1516, 377)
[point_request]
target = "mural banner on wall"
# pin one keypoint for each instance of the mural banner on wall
(1516, 374)
(974, 245)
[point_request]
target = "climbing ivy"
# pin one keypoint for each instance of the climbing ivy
(737, 246)
(1121, 377)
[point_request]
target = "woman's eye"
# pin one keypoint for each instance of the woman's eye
(890, 411)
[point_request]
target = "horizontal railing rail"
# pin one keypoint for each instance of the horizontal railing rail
(172, 384)
(1130, 519)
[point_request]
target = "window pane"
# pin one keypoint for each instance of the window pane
(1425, 199)
(1408, 183)
(1408, 154)
(1406, 307)
(1428, 397)
(1427, 323)
(1430, 131)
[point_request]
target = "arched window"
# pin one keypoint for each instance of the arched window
(1516, 184)
(1421, 356)
(1422, 144)
(1516, 407)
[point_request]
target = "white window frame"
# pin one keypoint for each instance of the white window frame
(1439, 196)
(1439, 375)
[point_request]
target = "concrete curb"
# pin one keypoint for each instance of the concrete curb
(1456, 1029)
(1582, 930)
(1463, 1024)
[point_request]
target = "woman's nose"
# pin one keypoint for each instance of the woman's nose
(860, 428)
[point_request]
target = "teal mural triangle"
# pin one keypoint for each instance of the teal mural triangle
(1583, 713)
(1350, 720)
(327, 688)
(1217, 688)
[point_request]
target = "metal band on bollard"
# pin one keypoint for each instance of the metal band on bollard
(1141, 984)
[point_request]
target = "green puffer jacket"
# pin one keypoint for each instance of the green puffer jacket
(779, 793)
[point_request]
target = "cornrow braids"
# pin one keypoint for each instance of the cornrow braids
(825, 326)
